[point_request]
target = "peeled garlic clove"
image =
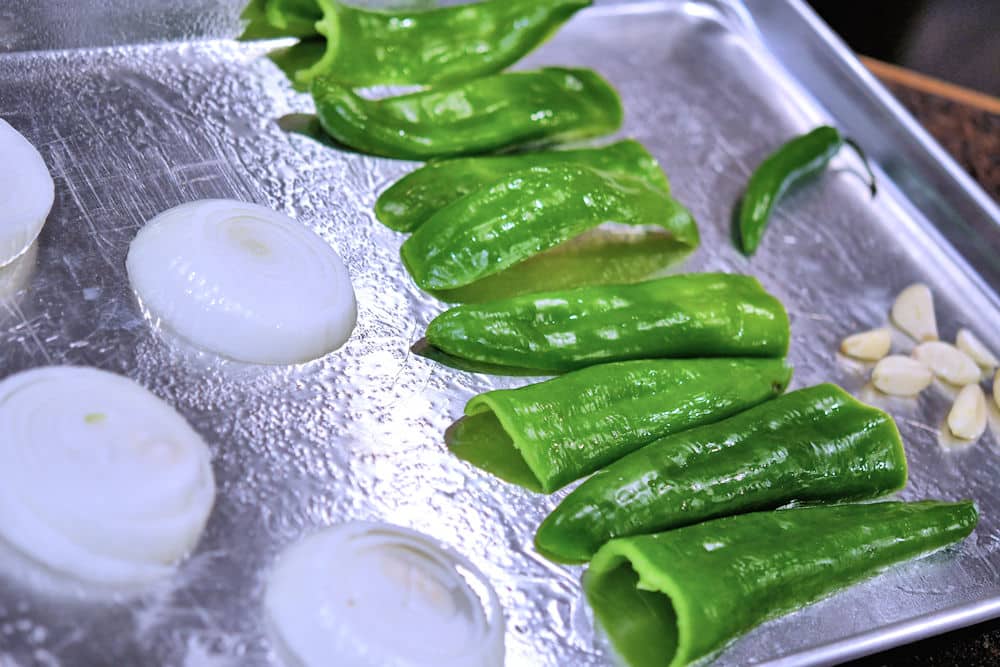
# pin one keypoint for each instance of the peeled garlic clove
(913, 312)
(901, 376)
(947, 362)
(967, 418)
(967, 342)
(868, 345)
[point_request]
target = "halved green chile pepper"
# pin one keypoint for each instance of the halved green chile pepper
(546, 435)
(421, 193)
(688, 315)
(294, 17)
(478, 116)
(258, 26)
(798, 160)
(436, 46)
(812, 445)
(527, 212)
(605, 255)
(672, 598)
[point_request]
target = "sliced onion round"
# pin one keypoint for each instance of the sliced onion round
(26, 193)
(367, 594)
(99, 479)
(15, 275)
(243, 281)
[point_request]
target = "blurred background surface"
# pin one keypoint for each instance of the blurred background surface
(954, 40)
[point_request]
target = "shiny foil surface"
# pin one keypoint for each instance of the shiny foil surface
(129, 131)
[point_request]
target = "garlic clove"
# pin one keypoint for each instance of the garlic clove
(901, 376)
(967, 342)
(967, 418)
(947, 362)
(913, 312)
(868, 345)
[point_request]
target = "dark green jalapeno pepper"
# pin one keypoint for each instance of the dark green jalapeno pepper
(812, 445)
(546, 435)
(691, 315)
(527, 212)
(478, 116)
(672, 598)
(417, 196)
(800, 159)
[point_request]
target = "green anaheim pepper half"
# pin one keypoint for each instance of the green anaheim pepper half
(529, 211)
(431, 46)
(420, 194)
(267, 19)
(676, 597)
(478, 116)
(688, 315)
(544, 436)
(812, 445)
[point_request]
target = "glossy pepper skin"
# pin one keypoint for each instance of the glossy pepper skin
(672, 598)
(800, 159)
(431, 46)
(294, 17)
(478, 116)
(551, 433)
(688, 315)
(417, 196)
(812, 445)
(527, 212)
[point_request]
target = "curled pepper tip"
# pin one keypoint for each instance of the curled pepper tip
(872, 187)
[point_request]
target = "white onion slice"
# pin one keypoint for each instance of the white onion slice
(99, 479)
(243, 281)
(15, 275)
(367, 594)
(26, 193)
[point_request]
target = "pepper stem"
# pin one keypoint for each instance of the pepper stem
(864, 159)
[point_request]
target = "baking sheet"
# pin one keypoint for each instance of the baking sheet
(130, 131)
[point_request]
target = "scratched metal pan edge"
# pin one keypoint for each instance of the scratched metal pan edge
(130, 131)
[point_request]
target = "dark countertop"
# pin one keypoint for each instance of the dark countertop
(967, 124)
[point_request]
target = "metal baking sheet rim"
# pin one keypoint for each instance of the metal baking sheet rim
(964, 615)
(928, 625)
